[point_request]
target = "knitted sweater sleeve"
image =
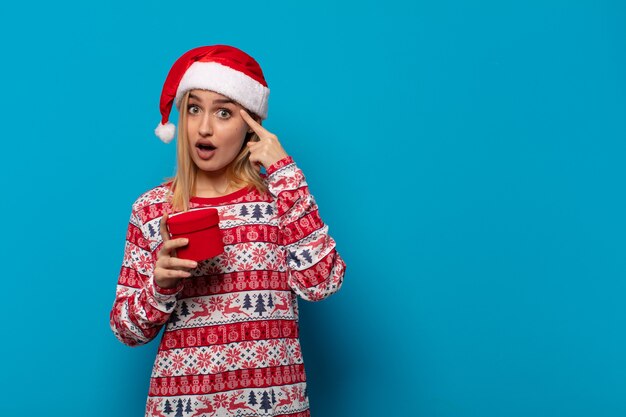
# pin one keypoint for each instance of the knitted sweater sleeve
(315, 268)
(141, 307)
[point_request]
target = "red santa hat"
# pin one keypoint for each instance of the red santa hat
(220, 68)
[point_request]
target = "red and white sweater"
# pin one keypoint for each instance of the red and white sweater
(230, 345)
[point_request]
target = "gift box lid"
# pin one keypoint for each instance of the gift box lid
(192, 220)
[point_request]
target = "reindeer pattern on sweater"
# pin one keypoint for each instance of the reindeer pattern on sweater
(231, 341)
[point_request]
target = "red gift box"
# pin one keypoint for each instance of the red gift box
(201, 227)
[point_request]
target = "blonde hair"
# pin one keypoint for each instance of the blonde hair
(240, 172)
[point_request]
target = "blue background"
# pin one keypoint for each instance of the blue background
(467, 156)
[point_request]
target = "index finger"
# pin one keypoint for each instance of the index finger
(258, 129)
(168, 248)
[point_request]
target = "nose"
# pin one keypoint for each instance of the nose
(205, 128)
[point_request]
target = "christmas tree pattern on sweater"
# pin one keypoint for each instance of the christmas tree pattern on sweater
(231, 344)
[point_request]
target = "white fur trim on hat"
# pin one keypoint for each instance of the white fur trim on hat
(165, 132)
(226, 81)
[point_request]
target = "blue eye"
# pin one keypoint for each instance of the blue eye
(222, 111)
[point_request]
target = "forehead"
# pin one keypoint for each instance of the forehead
(209, 96)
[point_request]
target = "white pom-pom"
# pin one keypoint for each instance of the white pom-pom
(165, 132)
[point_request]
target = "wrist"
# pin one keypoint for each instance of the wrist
(284, 161)
(168, 286)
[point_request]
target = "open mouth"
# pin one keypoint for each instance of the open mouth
(205, 146)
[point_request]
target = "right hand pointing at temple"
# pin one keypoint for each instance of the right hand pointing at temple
(169, 269)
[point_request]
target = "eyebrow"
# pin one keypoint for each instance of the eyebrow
(219, 100)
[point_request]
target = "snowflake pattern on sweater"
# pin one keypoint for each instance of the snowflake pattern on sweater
(231, 341)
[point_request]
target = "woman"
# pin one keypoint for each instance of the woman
(230, 345)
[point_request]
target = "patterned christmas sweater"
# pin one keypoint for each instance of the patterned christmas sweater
(231, 341)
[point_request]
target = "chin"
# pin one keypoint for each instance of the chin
(211, 165)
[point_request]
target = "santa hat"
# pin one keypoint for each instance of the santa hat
(220, 68)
